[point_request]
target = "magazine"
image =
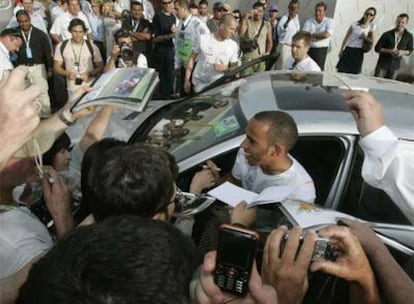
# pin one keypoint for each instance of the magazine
(125, 87)
(308, 215)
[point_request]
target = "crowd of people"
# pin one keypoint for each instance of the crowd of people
(124, 245)
(69, 43)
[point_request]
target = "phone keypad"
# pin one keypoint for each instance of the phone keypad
(230, 279)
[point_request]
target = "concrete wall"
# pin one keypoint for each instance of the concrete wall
(344, 13)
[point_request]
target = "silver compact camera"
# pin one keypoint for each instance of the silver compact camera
(322, 251)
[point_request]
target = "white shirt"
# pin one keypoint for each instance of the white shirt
(306, 65)
(326, 25)
(188, 35)
(211, 51)
(61, 24)
(295, 180)
(22, 237)
(56, 12)
(389, 165)
(285, 35)
(354, 40)
(5, 63)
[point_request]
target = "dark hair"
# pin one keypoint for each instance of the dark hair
(92, 157)
(258, 4)
(121, 33)
(11, 32)
(303, 35)
(133, 179)
(76, 22)
(136, 3)
(293, 2)
(203, 2)
(193, 5)
(321, 3)
(61, 143)
(121, 260)
(403, 15)
(283, 129)
(361, 21)
(22, 12)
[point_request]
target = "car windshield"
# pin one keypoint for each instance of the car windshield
(198, 123)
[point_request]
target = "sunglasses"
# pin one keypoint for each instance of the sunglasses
(369, 14)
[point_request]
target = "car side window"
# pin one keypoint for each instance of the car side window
(321, 156)
(369, 203)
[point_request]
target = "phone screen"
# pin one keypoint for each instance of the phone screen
(236, 249)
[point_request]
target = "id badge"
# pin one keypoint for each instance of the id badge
(29, 54)
(77, 67)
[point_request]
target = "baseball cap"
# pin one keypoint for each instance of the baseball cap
(218, 5)
(273, 7)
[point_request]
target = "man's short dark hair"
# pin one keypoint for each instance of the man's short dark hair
(403, 15)
(22, 12)
(321, 3)
(121, 260)
(133, 179)
(292, 2)
(205, 2)
(258, 4)
(11, 32)
(283, 129)
(121, 33)
(303, 35)
(137, 3)
(77, 22)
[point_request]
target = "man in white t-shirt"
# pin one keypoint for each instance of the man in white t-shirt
(59, 30)
(264, 161)
(321, 29)
(215, 54)
(300, 60)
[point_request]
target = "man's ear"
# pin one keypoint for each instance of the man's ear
(276, 150)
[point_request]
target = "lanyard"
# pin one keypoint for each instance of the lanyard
(27, 39)
(77, 58)
(135, 24)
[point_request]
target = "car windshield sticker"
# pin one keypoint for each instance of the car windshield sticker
(226, 125)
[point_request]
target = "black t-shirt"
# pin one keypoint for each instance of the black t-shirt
(143, 25)
(161, 25)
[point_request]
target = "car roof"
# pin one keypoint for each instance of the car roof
(315, 101)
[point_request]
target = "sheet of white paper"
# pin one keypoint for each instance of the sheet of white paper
(272, 195)
(231, 194)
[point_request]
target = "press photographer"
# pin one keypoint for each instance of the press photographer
(122, 54)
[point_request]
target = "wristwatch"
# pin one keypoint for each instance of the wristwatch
(66, 117)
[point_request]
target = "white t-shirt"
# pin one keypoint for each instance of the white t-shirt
(61, 24)
(286, 34)
(354, 40)
(211, 51)
(295, 180)
(312, 26)
(22, 237)
(388, 165)
(306, 65)
(5, 63)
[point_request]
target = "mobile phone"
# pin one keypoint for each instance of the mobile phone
(321, 251)
(235, 256)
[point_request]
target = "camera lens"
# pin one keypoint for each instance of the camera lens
(78, 81)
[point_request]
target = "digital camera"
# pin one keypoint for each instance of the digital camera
(127, 54)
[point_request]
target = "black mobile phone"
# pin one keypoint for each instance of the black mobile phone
(235, 256)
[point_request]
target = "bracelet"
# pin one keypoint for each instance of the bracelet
(66, 117)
